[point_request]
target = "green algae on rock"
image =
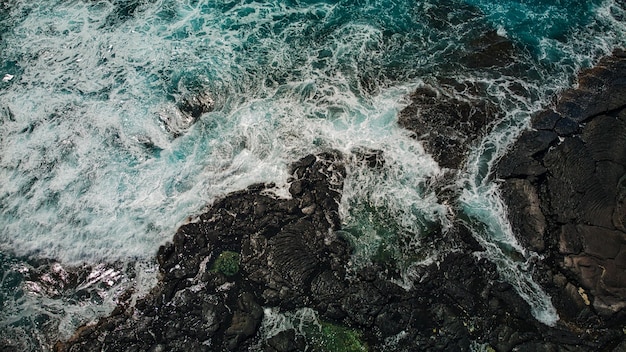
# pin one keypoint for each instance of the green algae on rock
(227, 263)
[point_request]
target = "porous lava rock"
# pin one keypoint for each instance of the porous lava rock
(565, 187)
(449, 118)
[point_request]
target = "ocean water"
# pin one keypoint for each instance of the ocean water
(98, 167)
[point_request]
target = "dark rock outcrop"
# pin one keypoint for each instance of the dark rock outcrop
(489, 50)
(448, 120)
(564, 182)
(179, 118)
(284, 244)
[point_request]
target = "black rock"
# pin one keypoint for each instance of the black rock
(489, 50)
(448, 120)
(559, 189)
(569, 192)
(285, 341)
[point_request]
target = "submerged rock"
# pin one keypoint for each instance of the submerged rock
(564, 187)
(180, 117)
(195, 105)
(489, 50)
(81, 291)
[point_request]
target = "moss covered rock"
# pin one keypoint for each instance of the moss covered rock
(227, 263)
(337, 338)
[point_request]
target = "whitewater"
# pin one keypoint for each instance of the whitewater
(98, 165)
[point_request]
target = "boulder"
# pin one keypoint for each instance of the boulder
(489, 50)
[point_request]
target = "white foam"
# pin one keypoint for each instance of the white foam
(56, 307)
(481, 201)
(514, 263)
(480, 196)
(274, 321)
(104, 180)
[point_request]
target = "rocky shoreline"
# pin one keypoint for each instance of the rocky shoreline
(252, 253)
(564, 182)
(289, 258)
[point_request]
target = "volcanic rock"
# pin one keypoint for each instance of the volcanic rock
(448, 120)
(291, 255)
(288, 260)
(564, 185)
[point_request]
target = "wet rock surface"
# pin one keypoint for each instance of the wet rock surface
(178, 118)
(448, 119)
(565, 186)
(489, 50)
(60, 286)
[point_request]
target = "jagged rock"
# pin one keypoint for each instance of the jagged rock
(245, 321)
(372, 158)
(285, 341)
(180, 117)
(196, 308)
(520, 160)
(489, 50)
(575, 184)
(291, 259)
(601, 90)
(196, 104)
(448, 120)
(526, 216)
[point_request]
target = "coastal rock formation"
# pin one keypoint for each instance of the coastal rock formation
(448, 120)
(177, 119)
(251, 253)
(489, 50)
(565, 185)
(204, 303)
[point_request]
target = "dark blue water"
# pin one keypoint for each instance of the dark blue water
(99, 166)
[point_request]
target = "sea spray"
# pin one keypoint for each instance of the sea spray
(486, 213)
(480, 198)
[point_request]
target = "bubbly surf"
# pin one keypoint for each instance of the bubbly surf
(91, 173)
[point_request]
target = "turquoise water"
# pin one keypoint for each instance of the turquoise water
(92, 172)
